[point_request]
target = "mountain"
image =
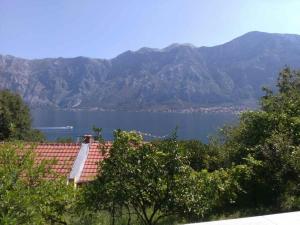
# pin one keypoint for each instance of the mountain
(176, 77)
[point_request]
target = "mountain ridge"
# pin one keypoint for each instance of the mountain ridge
(177, 77)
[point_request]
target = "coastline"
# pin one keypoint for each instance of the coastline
(205, 110)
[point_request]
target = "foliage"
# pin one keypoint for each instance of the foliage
(202, 156)
(26, 197)
(15, 120)
(271, 136)
(98, 134)
(153, 181)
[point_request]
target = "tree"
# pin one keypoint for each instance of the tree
(138, 177)
(26, 196)
(201, 156)
(98, 134)
(272, 137)
(15, 120)
(154, 181)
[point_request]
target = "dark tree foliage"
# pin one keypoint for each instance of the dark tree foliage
(202, 156)
(15, 119)
(271, 136)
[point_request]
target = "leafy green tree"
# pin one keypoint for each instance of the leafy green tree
(154, 181)
(26, 196)
(271, 136)
(15, 120)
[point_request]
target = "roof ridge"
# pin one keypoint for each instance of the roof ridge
(57, 143)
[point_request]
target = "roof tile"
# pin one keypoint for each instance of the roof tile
(62, 154)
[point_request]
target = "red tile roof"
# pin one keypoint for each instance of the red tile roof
(63, 156)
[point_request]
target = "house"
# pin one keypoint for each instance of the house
(78, 162)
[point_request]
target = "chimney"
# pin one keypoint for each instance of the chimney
(87, 139)
(79, 162)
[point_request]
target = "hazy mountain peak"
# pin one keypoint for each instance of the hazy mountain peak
(177, 45)
(147, 50)
(262, 36)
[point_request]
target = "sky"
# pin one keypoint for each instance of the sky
(106, 28)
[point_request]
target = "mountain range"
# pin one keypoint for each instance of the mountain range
(180, 76)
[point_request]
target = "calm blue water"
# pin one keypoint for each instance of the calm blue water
(190, 126)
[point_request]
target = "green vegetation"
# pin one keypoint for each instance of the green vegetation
(249, 169)
(26, 197)
(98, 134)
(154, 181)
(15, 120)
(271, 136)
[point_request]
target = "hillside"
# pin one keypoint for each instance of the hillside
(175, 77)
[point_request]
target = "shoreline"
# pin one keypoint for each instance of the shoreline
(213, 109)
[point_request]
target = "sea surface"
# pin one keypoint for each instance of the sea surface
(56, 123)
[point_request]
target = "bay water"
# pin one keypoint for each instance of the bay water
(57, 123)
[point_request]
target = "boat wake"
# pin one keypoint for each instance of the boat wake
(55, 128)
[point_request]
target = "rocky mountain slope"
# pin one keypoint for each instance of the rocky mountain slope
(176, 77)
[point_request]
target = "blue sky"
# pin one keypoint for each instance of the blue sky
(104, 29)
